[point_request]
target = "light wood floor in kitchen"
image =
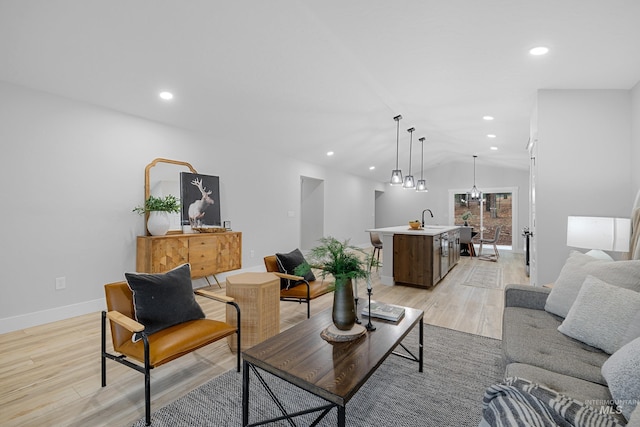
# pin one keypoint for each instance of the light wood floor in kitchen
(50, 374)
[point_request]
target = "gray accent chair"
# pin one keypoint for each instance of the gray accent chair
(466, 233)
(494, 242)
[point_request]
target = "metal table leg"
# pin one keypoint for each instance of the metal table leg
(341, 416)
(420, 345)
(245, 393)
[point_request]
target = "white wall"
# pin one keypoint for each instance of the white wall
(584, 146)
(70, 173)
(397, 206)
(311, 212)
(635, 136)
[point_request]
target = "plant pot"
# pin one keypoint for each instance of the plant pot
(158, 223)
(344, 307)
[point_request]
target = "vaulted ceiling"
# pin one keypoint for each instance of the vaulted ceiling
(307, 77)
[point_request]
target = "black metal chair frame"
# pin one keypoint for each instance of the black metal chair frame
(306, 300)
(146, 369)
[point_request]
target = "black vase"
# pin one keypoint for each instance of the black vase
(344, 307)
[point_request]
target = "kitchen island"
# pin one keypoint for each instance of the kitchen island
(418, 257)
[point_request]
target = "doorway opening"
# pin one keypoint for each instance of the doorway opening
(311, 211)
(377, 209)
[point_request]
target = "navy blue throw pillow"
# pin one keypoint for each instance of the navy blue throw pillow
(163, 300)
(287, 263)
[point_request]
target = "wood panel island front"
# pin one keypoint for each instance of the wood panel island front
(419, 257)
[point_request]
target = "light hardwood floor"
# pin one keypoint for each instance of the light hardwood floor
(50, 374)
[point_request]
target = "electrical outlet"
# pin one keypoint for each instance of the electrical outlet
(252, 253)
(61, 283)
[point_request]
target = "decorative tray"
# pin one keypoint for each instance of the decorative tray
(209, 229)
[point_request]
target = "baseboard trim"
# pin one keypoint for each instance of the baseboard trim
(37, 318)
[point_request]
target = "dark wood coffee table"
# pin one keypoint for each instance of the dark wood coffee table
(332, 371)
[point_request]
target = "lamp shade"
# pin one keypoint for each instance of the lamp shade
(607, 234)
(474, 194)
(421, 186)
(396, 177)
(409, 182)
(396, 174)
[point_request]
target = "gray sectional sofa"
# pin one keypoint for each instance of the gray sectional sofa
(580, 338)
(534, 349)
(572, 351)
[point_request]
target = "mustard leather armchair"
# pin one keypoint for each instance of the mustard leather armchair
(160, 347)
(302, 293)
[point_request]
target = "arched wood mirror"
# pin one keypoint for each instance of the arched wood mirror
(161, 178)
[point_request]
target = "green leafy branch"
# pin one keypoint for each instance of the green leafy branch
(168, 203)
(339, 259)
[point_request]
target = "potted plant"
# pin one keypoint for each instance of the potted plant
(466, 217)
(158, 208)
(345, 263)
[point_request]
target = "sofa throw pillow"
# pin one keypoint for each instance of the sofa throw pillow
(600, 315)
(578, 266)
(633, 331)
(163, 300)
(287, 263)
(622, 372)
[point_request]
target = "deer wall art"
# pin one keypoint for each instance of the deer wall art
(199, 192)
(197, 208)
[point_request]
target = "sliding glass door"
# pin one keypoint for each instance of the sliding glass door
(486, 214)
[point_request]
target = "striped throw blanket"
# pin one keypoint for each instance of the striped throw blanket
(518, 402)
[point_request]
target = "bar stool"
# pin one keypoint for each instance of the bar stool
(377, 246)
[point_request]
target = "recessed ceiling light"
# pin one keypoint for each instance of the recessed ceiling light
(330, 153)
(540, 50)
(166, 96)
(371, 168)
(494, 148)
(487, 117)
(491, 135)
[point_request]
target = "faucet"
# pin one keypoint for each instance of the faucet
(423, 215)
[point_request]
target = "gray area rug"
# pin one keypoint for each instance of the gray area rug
(483, 276)
(458, 368)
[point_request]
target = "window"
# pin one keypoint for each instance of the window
(484, 216)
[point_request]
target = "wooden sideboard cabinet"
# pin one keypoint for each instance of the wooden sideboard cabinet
(208, 253)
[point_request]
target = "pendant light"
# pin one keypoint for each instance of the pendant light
(396, 174)
(409, 183)
(421, 187)
(474, 194)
